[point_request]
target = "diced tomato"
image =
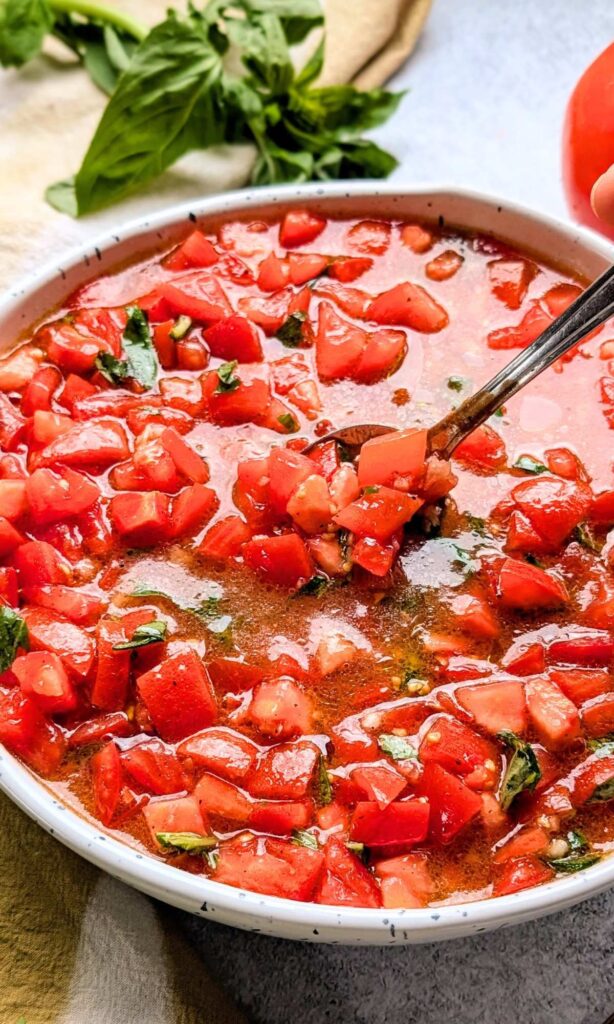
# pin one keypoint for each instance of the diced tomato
(197, 295)
(12, 423)
(221, 751)
(165, 344)
(379, 513)
(141, 519)
(401, 823)
(268, 313)
(99, 728)
(564, 463)
(26, 732)
(185, 395)
(381, 357)
(404, 881)
(483, 449)
(273, 867)
(495, 706)
(284, 772)
(10, 538)
(553, 716)
(524, 659)
(192, 507)
(273, 273)
(553, 507)
(9, 586)
(346, 882)
(192, 354)
(602, 510)
(43, 677)
(510, 280)
(246, 404)
(299, 227)
(99, 443)
(352, 301)
(475, 617)
(582, 684)
(38, 562)
(457, 748)
(452, 804)
(57, 494)
(280, 708)
(225, 539)
(523, 587)
(234, 337)
(379, 783)
(347, 268)
(155, 767)
(281, 817)
(13, 499)
(104, 403)
(416, 238)
(106, 770)
(444, 266)
(310, 505)
(398, 455)
(140, 418)
(196, 251)
(409, 305)
(286, 469)
(529, 840)
(598, 715)
(374, 557)
(179, 696)
(521, 873)
(220, 799)
(582, 647)
(339, 345)
(283, 560)
(371, 236)
(231, 676)
(179, 814)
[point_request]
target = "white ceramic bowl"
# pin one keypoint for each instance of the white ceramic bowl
(572, 248)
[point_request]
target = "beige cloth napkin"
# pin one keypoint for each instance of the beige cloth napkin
(77, 947)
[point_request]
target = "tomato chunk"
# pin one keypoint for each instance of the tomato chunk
(346, 882)
(179, 696)
(379, 513)
(283, 560)
(409, 305)
(400, 455)
(299, 227)
(452, 804)
(401, 823)
(273, 867)
(43, 677)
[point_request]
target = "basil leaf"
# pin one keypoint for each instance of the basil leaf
(149, 633)
(314, 587)
(63, 197)
(530, 465)
(585, 536)
(226, 378)
(312, 68)
(165, 104)
(139, 349)
(180, 328)
(324, 789)
(456, 383)
(603, 792)
(291, 331)
(144, 590)
(298, 17)
(112, 369)
(23, 27)
(186, 842)
(396, 747)
(523, 771)
(99, 67)
(13, 635)
(574, 863)
(300, 837)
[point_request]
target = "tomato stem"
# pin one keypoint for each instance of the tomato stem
(101, 13)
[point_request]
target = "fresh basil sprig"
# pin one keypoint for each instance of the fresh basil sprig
(523, 771)
(172, 91)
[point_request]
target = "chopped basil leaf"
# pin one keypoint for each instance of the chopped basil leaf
(149, 633)
(226, 378)
(604, 746)
(532, 560)
(211, 858)
(523, 771)
(357, 848)
(456, 383)
(370, 490)
(499, 412)
(324, 790)
(603, 792)
(300, 837)
(314, 587)
(577, 842)
(476, 524)
(574, 863)
(139, 349)
(144, 590)
(180, 328)
(530, 465)
(291, 331)
(13, 635)
(585, 536)
(207, 609)
(289, 422)
(186, 842)
(112, 369)
(396, 747)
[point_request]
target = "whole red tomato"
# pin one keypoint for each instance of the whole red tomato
(588, 138)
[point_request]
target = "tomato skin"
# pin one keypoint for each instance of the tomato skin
(96, 729)
(40, 390)
(196, 251)
(483, 449)
(588, 138)
(197, 295)
(231, 676)
(521, 873)
(179, 696)
(452, 804)
(284, 772)
(38, 562)
(99, 442)
(457, 748)
(346, 882)
(401, 823)
(409, 305)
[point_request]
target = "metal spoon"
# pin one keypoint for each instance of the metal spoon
(590, 310)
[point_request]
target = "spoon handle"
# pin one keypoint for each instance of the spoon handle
(589, 310)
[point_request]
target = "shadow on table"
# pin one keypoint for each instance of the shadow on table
(554, 971)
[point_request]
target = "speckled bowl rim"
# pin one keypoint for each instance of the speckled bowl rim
(253, 911)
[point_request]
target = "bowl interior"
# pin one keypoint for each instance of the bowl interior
(566, 246)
